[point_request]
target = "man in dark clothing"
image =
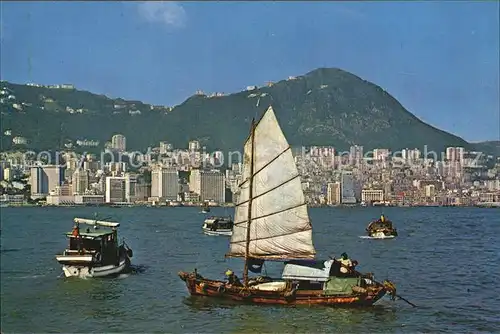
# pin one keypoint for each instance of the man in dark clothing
(232, 279)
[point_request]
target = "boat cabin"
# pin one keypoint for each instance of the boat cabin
(320, 275)
(101, 243)
(378, 224)
(218, 223)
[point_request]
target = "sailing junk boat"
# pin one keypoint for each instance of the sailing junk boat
(94, 253)
(272, 223)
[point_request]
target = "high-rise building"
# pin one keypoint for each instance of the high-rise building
(194, 145)
(333, 193)
(455, 154)
(165, 183)
(38, 181)
(142, 191)
(117, 189)
(410, 155)
(321, 151)
(44, 179)
(131, 187)
(119, 143)
(380, 154)
(210, 185)
(165, 147)
(80, 181)
(355, 154)
(7, 174)
(347, 188)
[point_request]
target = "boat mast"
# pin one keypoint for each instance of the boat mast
(249, 217)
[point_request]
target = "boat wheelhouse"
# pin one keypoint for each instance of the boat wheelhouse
(94, 251)
(218, 226)
(272, 224)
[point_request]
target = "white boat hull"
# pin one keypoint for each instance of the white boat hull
(381, 235)
(84, 259)
(86, 271)
(217, 232)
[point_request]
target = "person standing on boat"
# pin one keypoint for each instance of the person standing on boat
(76, 230)
(76, 233)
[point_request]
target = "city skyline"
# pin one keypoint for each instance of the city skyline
(461, 178)
(442, 64)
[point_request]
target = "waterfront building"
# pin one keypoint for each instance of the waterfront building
(347, 188)
(372, 195)
(210, 185)
(165, 183)
(44, 179)
(333, 196)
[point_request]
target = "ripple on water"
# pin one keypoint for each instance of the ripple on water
(443, 260)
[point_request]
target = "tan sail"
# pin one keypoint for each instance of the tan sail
(280, 227)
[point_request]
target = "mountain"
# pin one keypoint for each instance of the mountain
(491, 147)
(326, 106)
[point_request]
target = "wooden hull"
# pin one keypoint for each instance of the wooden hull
(199, 286)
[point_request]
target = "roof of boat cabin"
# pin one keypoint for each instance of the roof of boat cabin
(211, 220)
(310, 270)
(92, 233)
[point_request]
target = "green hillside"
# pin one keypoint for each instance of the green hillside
(324, 107)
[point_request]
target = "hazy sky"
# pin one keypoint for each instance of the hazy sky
(439, 59)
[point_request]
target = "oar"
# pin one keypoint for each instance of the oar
(358, 273)
(406, 300)
(395, 295)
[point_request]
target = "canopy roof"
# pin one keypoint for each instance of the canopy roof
(96, 222)
(308, 270)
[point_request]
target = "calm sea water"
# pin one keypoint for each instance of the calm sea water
(445, 260)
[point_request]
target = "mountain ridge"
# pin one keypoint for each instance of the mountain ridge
(326, 106)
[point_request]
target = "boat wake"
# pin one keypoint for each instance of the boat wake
(384, 237)
(122, 276)
(7, 250)
(28, 277)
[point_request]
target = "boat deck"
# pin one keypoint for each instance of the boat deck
(92, 234)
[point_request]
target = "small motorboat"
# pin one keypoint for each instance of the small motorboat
(206, 208)
(381, 229)
(94, 252)
(218, 226)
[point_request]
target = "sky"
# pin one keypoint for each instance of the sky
(439, 59)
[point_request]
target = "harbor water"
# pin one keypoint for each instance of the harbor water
(445, 260)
